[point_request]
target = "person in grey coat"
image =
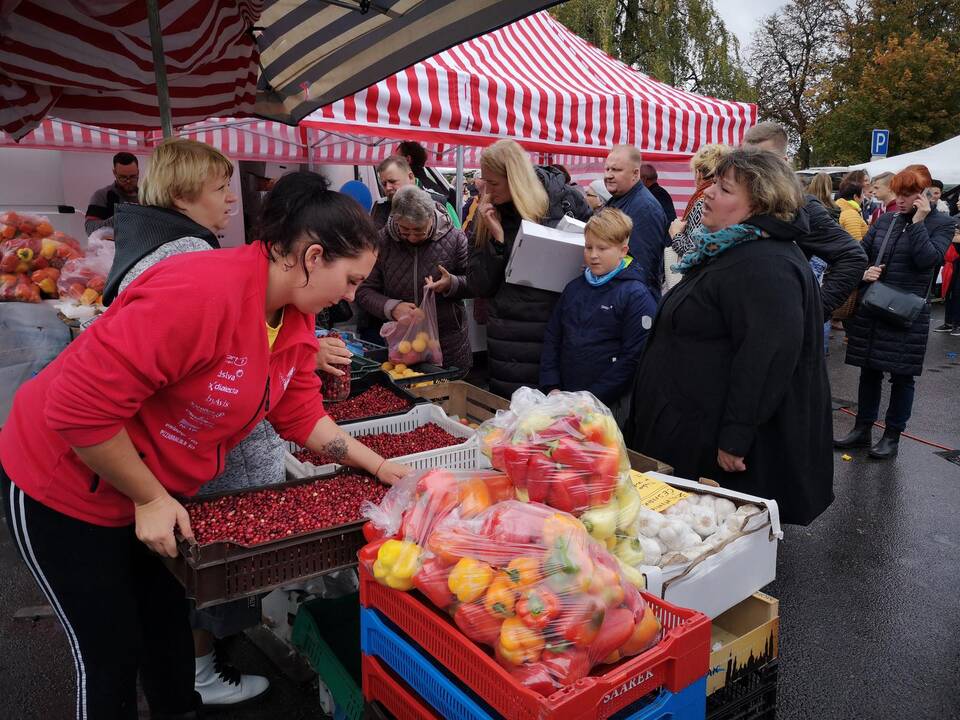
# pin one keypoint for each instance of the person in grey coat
(420, 248)
(917, 238)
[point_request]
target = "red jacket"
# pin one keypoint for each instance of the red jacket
(181, 361)
(949, 261)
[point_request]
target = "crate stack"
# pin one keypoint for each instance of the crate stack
(417, 664)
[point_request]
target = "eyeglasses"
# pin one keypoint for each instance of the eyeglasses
(127, 178)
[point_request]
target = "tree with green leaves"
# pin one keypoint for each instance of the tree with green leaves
(898, 70)
(683, 43)
(790, 58)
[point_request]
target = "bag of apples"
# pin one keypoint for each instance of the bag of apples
(415, 338)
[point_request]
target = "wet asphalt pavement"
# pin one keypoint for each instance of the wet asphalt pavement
(869, 594)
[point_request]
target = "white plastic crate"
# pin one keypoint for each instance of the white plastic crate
(466, 456)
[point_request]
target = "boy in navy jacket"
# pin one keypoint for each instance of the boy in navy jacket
(598, 328)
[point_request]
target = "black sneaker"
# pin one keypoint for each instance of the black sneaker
(944, 328)
(956, 331)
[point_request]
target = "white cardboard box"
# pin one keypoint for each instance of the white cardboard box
(717, 582)
(571, 224)
(544, 257)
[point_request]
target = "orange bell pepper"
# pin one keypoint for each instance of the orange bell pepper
(501, 597)
(518, 643)
(523, 572)
(474, 497)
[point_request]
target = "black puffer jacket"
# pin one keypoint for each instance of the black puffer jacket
(912, 255)
(845, 259)
(517, 315)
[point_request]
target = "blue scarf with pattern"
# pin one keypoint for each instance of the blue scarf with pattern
(711, 244)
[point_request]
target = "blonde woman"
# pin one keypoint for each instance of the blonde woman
(517, 316)
(732, 384)
(821, 187)
(704, 165)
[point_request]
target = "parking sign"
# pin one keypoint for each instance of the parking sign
(880, 143)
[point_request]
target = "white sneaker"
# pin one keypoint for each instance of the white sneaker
(219, 683)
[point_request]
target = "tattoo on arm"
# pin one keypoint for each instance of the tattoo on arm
(336, 449)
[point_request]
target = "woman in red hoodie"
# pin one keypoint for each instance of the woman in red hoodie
(145, 405)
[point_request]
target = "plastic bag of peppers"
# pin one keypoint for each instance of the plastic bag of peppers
(521, 578)
(566, 451)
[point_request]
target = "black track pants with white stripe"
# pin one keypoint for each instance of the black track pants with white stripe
(122, 610)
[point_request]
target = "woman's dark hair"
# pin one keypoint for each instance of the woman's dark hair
(301, 210)
(415, 151)
(849, 190)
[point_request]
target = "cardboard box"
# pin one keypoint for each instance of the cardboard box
(544, 258)
(571, 224)
(749, 637)
(717, 582)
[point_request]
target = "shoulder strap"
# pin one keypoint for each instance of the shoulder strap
(886, 239)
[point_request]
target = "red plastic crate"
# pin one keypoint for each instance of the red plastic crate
(679, 659)
(380, 685)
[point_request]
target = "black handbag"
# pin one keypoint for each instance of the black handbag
(893, 305)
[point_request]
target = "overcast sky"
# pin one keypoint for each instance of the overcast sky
(743, 16)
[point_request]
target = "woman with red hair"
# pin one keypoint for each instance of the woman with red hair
(915, 236)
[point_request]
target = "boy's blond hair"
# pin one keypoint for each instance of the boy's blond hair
(178, 169)
(610, 226)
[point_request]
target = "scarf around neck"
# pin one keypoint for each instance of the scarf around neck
(596, 281)
(712, 244)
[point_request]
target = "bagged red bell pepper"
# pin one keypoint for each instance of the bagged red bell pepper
(566, 451)
(522, 579)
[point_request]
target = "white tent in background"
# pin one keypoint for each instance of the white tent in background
(943, 161)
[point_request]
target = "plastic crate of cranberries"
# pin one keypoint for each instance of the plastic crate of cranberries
(253, 541)
(373, 396)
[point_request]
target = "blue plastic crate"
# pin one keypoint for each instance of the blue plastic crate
(453, 700)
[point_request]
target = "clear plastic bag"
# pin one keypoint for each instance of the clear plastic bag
(17, 287)
(415, 339)
(83, 279)
(29, 243)
(521, 578)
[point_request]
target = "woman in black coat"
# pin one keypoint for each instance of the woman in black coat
(733, 384)
(517, 315)
(917, 238)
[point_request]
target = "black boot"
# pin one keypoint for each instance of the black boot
(860, 436)
(888, 445)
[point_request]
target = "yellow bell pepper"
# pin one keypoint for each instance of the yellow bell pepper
(396, 564)
(524, 572)
(519, 643)
(469, 578)
(501, 597)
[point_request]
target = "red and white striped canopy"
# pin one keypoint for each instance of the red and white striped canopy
(536, 82)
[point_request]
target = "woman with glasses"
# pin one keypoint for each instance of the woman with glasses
(419, 249)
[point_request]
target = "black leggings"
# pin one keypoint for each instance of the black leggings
(122, 610)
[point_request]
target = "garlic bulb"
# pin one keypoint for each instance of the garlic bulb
(674, 533)
(651, 550)
(648, 523)
(724, 508)
(703, 520)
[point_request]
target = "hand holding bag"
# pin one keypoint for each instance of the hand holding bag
(416, 338)
(893, 305)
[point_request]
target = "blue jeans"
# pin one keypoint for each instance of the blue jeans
(901, 398)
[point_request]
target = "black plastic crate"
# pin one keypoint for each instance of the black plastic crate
(750, 697)
(431, 373)
(380, 378)
(222, 571)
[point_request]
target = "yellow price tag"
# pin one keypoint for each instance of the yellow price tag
(656, 494)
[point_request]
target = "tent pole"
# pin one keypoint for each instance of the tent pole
(459, 187)
(160, 68)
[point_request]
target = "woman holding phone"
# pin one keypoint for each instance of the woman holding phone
(917, 237)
